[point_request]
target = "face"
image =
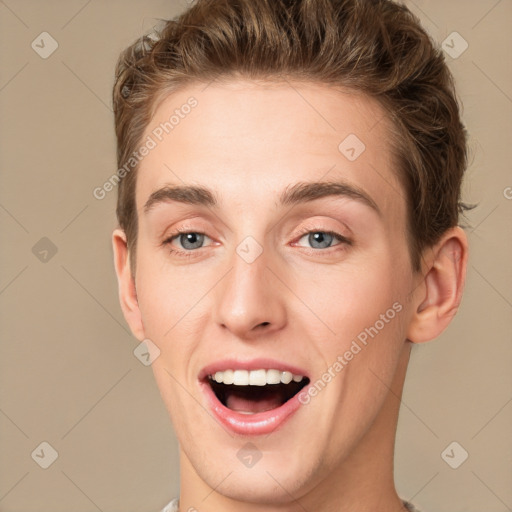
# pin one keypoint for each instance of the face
(263, 276)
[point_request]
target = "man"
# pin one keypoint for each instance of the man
(288, 208)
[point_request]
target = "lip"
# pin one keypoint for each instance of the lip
(261, 423)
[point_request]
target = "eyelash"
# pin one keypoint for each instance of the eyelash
(175, 234)
(343, 239)
(191, 253)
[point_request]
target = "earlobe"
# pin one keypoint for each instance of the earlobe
(126, 284)
(438, 297)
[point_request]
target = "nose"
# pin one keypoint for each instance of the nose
(250, 300)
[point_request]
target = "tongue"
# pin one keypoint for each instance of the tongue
(241, 404)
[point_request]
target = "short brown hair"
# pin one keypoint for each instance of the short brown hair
(376, 47)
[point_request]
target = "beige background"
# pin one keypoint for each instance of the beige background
(68, 375)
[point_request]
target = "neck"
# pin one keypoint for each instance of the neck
(363, 482)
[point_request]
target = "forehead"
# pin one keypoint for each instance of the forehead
(250, 140)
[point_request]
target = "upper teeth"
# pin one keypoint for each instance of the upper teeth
(255, 377)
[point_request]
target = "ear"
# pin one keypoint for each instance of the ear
(437, 298)
(126, 282)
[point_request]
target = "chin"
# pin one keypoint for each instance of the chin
(269, 485)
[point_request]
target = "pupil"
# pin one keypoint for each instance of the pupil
(192, 238)
(321, 238)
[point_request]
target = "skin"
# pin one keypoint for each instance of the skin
(249, 141)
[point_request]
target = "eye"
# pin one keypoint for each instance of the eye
(320, 239)
(192, 240)
(189, 240)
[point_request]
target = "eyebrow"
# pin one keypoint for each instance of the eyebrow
(301, 192)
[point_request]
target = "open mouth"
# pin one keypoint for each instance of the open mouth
(251, 392)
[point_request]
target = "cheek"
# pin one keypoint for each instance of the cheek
(173, 315)
(165, 297)
(363, 307)
(349, 298)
